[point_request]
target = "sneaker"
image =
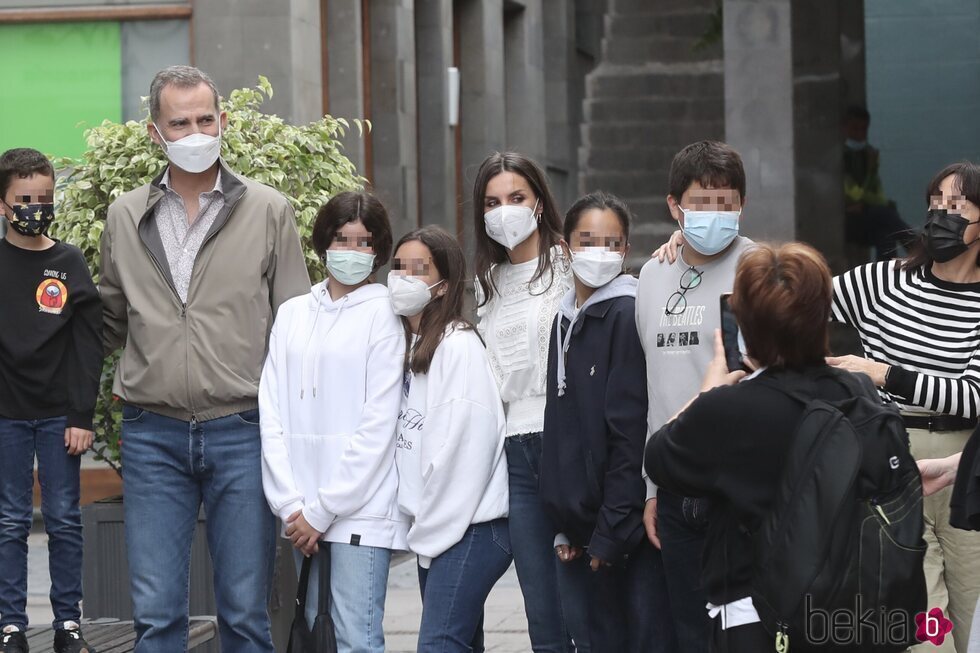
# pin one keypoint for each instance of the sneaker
(12, 640)
(69, 640)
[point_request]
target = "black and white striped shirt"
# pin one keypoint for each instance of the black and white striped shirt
(927, 329)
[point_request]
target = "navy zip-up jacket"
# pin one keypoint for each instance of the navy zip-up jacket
(591, 480)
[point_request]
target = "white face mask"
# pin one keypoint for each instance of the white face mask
(596, 266)
(408, 295)
(195, 153)
(511, 225)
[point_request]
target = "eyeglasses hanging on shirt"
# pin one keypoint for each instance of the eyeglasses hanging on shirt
(677, 303)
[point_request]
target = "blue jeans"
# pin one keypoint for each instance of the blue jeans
(20, 442)
(626, 603)
(532, 539)
(682, 525)
(169, 468)
(358, 586)
(456, 585)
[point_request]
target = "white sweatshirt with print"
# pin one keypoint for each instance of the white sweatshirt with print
(451, 463)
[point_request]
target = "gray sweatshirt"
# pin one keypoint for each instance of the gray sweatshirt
(679, 347)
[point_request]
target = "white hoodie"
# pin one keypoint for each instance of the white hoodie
(328, 405)
(451, 464)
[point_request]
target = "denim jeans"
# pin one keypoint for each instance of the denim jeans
(681, 525)
(358, 586)
(626, 603)
(169, 468)
(456, 585)
(532, 539)
(20, 442)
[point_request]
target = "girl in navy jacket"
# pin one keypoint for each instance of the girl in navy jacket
(594, 432)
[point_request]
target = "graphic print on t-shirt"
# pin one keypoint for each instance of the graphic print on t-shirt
(51, 295)
(677, 332)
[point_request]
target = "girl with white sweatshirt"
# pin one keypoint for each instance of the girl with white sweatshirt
(329, 399)
(450, 452)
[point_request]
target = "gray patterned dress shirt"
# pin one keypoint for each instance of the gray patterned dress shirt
(181, 240)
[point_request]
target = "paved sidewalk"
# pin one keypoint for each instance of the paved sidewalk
(505, 624)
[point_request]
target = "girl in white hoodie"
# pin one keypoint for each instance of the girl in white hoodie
(328, 400)
(451, 464)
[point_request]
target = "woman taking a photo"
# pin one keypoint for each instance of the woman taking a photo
(918, 319)
(328, 400)
(521, 276)
(450, 453)
(727, 441)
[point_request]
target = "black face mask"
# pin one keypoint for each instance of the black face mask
(31, 219)
(943, 235)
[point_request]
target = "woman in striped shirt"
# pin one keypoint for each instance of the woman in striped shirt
(919, 324)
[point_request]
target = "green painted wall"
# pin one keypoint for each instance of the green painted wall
(56, 80)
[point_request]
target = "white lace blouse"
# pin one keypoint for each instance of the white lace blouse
(516, 326)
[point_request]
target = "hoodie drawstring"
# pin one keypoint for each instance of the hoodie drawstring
(306, 349)
(309, 340)
(316, 357)
(564, 352)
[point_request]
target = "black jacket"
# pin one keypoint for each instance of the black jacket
(592, 454)
(731, 445)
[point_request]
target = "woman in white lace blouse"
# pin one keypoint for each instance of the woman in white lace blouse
(521, 277)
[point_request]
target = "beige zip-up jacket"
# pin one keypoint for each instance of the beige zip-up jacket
(201, 360)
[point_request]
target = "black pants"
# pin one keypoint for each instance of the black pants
(628, 609)
(682, 526)
(750, 638)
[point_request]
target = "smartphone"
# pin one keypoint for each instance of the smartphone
(731, 338)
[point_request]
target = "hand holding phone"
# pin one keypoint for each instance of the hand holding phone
(731, 337)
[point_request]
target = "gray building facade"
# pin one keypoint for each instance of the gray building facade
(601, 92)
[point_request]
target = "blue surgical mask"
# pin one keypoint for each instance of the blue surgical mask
(852, 144)
(349, 266)
(709, 232)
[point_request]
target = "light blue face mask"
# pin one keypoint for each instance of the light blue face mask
(852, 144)
(709, 232)
(349, 266)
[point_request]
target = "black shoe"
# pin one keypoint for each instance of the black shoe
(70, 641)
(15, 642)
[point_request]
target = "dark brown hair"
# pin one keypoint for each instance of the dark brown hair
(22, 162)
(967, 181)
(488, 251)
(712, 164)
(781, 299)
(351, 206)
(443, 310)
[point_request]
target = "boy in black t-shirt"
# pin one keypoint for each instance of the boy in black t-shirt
(50, 363)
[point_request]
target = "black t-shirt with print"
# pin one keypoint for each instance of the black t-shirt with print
(50, 335)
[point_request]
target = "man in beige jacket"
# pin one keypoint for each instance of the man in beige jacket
(194, 266)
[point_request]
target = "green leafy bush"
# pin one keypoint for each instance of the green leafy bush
(305, 163)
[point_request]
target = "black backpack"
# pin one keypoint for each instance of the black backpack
(838, 562)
